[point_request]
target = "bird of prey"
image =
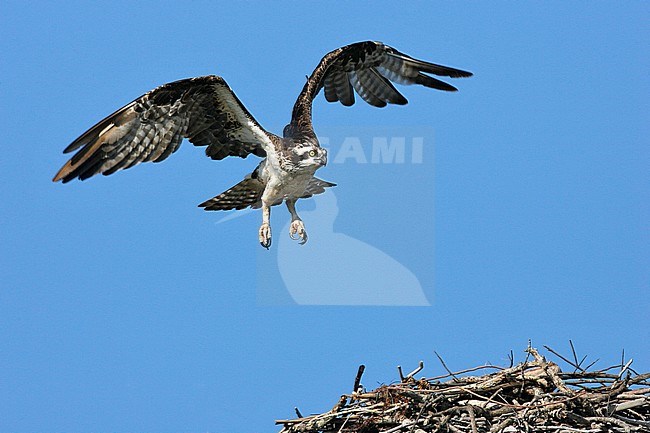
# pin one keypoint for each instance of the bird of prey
(208, 113)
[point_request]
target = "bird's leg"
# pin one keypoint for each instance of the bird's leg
(297, 226)
(265, 228)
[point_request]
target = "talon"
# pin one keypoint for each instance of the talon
(298, 228)
(265, 235)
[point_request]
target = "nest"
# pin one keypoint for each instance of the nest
(533, 396)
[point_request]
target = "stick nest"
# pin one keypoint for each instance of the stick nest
(533, 396)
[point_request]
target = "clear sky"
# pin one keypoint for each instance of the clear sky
(125, 308)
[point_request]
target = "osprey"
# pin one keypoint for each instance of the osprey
(207, 112)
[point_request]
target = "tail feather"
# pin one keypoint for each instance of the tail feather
(246, 193)
(316, 186)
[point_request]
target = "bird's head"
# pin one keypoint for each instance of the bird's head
(310, 155)
(306, 154)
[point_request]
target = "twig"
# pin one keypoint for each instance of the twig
(401, 375)
(357, 380)
(416, 371)
(576, 366)
(472, 418)
(344, 423)
(468, 370)
(625, 367)
(610, 420)
(575, 357)
(399, 427)
(445, 366)
(592, 364)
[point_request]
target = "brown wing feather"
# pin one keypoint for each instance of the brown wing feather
(152, 127)
(368, 67)
(316, 186)
(246, 193)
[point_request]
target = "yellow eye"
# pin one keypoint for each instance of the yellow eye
(312, 153)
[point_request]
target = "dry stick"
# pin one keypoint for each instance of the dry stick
(568, 429)
(443, 421)
(581, 361)
(344, 423)
(424, 406)
(523, 379)
(576, 366)
(630, 404)
(640, 378)
(613, 367)
(610, 420)
(401, 375)
(417, 419)
(416, 371)
(468, 370)
(472, 418)
(551, 370)
(575, 357)
(502, 425)
(523, 376)
(601, 374)
(445, 366)
(537, 406)
(399, 427)
(454, 428)
(633, 421)
(357, 380)
(625, 367)
(634, 392)
(495, 394)
(592, 364)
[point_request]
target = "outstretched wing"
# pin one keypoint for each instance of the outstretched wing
(367, 68)
(151, 128)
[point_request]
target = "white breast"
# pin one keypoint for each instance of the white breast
(282, 185)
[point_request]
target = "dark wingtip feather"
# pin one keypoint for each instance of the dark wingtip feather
(72, 146)
(434, 83)
(205, 203)
(83, 139)
(454, 73)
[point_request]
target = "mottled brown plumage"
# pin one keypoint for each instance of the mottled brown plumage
(207, 112)
(203, 110)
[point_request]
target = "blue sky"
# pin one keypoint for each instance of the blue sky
(125, 308)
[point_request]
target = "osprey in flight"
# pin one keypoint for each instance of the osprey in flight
(205, 111)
